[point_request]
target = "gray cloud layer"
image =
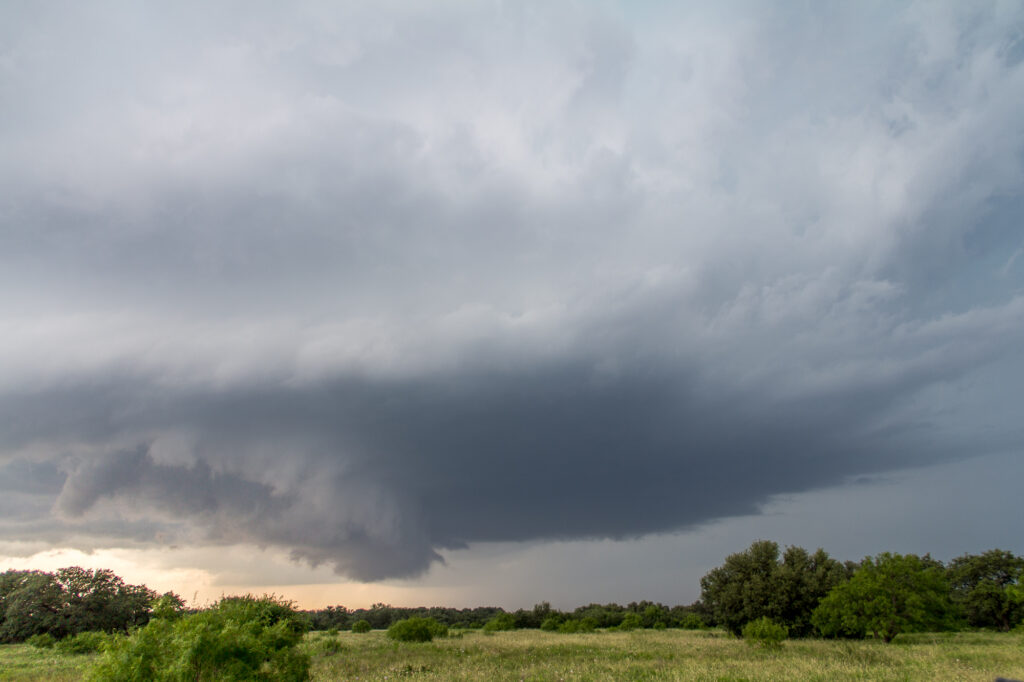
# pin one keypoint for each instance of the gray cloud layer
(370, 284)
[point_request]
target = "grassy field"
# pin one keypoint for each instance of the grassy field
(669, 655)
(639, 655)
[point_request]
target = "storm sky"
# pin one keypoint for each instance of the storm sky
(508, 297)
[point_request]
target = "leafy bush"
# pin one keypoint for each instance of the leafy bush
(692, 621)
(582, 625)
(361, 626)
(168, 606)
(550, 624)
(764, 632)
(240, 638)
(332, 632)
(630, 622)
(42, 641)
(417, 629)
(503, 621)
(83, 643)
(325, 645)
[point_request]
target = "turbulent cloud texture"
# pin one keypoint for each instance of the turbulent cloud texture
(370, 283)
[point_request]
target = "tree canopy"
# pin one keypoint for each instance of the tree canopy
(757, 584)
(887, 595)
(981, 587)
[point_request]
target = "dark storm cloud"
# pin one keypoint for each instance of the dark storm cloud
(374, 283)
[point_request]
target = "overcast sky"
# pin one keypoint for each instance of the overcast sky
(496, 302)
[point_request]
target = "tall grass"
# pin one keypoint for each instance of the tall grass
(670, 655)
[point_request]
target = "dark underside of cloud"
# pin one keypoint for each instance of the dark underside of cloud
(377, 477)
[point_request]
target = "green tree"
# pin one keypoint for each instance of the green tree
(503, 621)
(981, 585)
(802, 581)
(31, 603)
(168, 606)
(887, 595)
(757, 584)
(416, 629)
(99, 600)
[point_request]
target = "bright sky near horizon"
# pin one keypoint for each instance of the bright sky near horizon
(502, 302)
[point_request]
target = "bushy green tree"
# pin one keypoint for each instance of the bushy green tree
(551, 624)
(31, 603)
(416, 629)
(361, 626)
(755, 584)
(71, 601)
(887, 595)
(692, 621)
(653, 614)
(503, 621)
(630, 622)
(981, 585)
(802, 581)
(578, 625)
(168, 606)
(240, 638)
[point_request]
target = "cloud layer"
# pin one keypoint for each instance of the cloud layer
(370, 284)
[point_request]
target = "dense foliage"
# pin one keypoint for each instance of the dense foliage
(887, 595)
(68, 602)
(239, 638)
(757, 584)
(381, 616)
(765, 632)
(417, 630)
(982, 588)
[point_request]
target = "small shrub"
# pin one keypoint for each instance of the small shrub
(83, 643)
(630, 622)
(574, 626)
(332, 632)
(692, 621)
(416, 630)
(361, 626)
(764, 632)
(503, 621)
(660, 625)
(326, 646)
(41, 641)
(550, 624)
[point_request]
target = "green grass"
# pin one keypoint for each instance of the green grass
(24, 662)
(638, 655)
(669, 655)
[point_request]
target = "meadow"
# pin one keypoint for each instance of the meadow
(638, 655)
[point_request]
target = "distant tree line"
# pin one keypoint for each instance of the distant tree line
(647, 614)
(805, 594)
